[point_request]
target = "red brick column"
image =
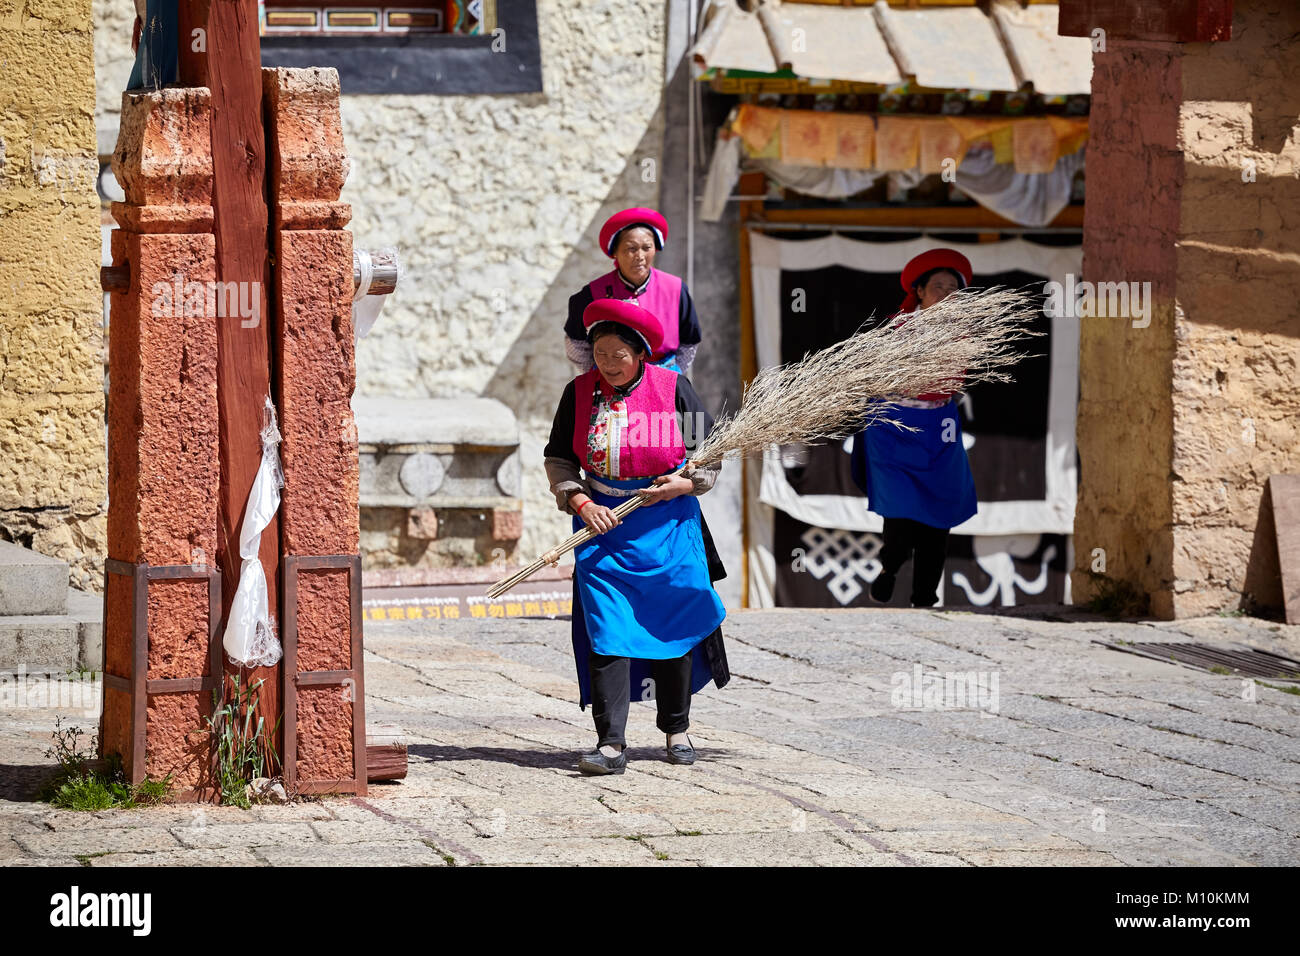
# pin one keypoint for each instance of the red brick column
(314, 353)
(162, 443)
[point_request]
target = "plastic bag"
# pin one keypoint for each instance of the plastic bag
(250, 639)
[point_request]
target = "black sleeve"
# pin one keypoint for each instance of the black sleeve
(695, 418)
(561, 441)
(689, 323)
(578, 303)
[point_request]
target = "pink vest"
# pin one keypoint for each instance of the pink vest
(662, 298)
(652, 443)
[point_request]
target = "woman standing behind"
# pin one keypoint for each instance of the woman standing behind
(646, 619)
(631, 238)
(919, 481)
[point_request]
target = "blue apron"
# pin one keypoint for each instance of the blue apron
(642, 590)
(916, 475)
(157, 56)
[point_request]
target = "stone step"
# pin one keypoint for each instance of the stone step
(30, 582)
(57, 643)
(88, 611)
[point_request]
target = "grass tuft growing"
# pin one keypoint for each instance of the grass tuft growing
(84, 783)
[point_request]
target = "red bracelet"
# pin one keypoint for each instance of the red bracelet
(589, 501)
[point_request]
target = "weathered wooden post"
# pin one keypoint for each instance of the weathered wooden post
(220, 49)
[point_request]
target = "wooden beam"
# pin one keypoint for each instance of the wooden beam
(927, 217)
(228, 61)
(1177, 21)
(192, 58)
(751, 184)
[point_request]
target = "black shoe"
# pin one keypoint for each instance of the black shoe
(597, 764)
(882, 589)
(682, 753)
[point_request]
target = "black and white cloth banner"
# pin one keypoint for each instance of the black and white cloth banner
(812, 540)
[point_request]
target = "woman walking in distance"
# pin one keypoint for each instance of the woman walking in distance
(631, 238)
(918, 481)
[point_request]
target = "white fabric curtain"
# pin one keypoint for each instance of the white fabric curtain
(768, 488)
(1030, 199)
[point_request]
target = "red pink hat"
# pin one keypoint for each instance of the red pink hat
(628, 315)
(933, 259)
(636, 216)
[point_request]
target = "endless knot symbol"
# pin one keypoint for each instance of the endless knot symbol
(846, 556)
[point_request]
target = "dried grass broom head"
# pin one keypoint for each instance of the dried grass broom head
(971, 336)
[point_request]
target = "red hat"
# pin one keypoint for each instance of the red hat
(636, 216)
(933, 259)
(627, 314)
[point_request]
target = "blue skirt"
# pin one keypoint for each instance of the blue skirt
(922, 475)
(643, 591)
(669, 361)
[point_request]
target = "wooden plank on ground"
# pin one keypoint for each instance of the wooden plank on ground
(1285, 490)
(385, 752)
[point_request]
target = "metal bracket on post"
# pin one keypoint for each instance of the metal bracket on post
(137, 684)
(294, 679)
(384, 273)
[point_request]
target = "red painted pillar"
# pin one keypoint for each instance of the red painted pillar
(315, 361)
(159, 629)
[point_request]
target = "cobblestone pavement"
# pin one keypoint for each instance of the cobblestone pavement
(1075, 754)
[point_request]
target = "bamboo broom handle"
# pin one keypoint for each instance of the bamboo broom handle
(577, 538)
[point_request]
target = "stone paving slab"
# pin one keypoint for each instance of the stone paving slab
(226, 856)
(782, 848)
(1091, 757)
(220, 835)
(615, 849)
(374, 830)
(43, 861)
(1162, 851)
(397, 853)
(1038, 858)
(74, 843)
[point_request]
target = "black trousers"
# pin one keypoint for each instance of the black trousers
(610, 677)
(926, 546)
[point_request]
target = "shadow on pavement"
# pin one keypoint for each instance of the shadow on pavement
(547, 759)
(21, 782)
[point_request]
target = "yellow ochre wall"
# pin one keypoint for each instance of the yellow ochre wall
(52, 449)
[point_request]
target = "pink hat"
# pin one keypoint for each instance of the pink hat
(628, 315)
(636, 216)
(925, 262)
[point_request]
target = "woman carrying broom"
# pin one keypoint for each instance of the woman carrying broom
(919, 481)
(643, 596)
(646, 619)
